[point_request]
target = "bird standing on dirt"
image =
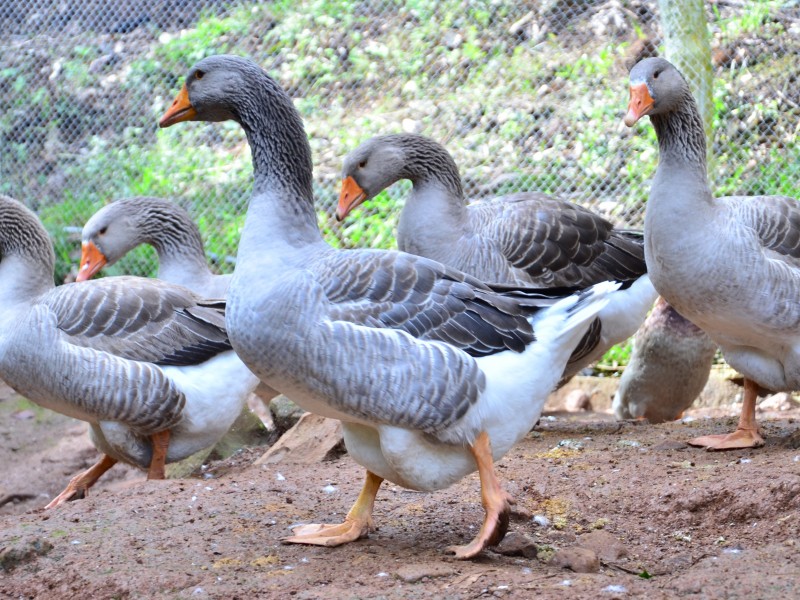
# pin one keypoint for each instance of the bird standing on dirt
(147, 364)
(432, 373)
(730, 265)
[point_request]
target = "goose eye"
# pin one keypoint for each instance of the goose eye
(199, 75)
(656, 74)
(103, 231)
(362, 164)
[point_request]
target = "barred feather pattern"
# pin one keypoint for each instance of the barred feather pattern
(524, 239)
(121, 226)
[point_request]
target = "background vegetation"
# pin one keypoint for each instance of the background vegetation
(525, 96)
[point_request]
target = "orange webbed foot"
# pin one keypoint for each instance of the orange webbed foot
(739, 439)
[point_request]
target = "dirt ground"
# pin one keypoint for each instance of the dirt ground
(650, 516)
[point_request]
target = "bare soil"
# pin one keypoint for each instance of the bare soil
(673, 521)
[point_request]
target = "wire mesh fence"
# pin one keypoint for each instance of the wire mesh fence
(526, 96)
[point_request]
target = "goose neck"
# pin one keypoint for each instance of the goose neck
(281, 211)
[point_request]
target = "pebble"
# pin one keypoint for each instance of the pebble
(517, 544)
(22, 551)
(580, 560)
(578, 401)
(604, 544)
(417, 571)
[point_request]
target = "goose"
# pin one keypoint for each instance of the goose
(433, 374)
(668, 369)
(146, 363)
(121, 226)
(730, 265)
(526, 238)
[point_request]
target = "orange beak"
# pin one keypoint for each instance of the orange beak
(351, 196)
(641, 103)
(181, 110)
(92, 260)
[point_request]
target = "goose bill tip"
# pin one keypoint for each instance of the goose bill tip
(351, 196)
(180, 110)
(640, 104)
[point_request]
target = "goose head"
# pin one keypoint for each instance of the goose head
(214, 90)
(107, 236)
(656, 87)
(372, 167)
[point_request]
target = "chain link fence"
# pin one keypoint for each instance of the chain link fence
(526, 96)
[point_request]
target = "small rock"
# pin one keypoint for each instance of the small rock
(580, 560)
(411, 125)
(23, 550)
(312, 440)
(24, 415)
(670, 445)
(453, 39)
(520, 514)
(778, 402)
(285, 413)
(604, 545)
(517, 544)
(577, 401)
(417, 571)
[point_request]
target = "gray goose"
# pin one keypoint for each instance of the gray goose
(526, 238)
(730, 265)
(668, 368)
(121, 226)
(148, 364)
(432, 373)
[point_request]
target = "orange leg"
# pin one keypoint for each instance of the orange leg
(79, 485)
(158, 462)
(496, 502)
(357, 524)
(746, 434)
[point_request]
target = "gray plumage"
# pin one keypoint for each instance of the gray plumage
(107, 351)
(526, 238)
(121, 226)
(348, 320)
(731, 265)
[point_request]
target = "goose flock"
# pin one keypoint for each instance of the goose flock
(437, 357)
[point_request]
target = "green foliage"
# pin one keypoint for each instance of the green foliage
(540, 115)
(617, 356)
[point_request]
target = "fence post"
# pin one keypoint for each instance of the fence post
(687, 47)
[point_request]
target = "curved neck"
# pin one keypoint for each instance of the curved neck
(27, 260)
(177, 242)
(682, 139)
(437, 194)
(429, 164)
(282, 208)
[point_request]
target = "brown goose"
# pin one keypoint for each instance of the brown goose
(521, 239)
(432, 373)
(730, 265)
(668, 369)
(148, 364)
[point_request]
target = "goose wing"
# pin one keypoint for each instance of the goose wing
(556, 242)
(140, 319)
